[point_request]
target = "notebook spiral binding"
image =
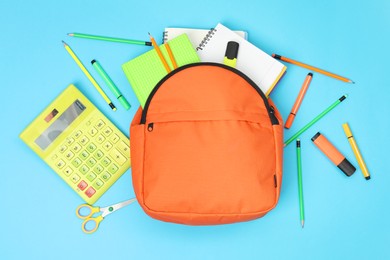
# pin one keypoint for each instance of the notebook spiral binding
(165, 37)
(206, 39)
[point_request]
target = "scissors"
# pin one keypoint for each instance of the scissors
(86, 212)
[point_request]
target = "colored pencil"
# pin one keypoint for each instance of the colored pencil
(109, 39)
(301, 64)
(170, 53)
(159, 53)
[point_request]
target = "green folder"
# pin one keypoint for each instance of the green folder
(146, 70)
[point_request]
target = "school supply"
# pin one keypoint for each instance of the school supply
(231, 54)
(309, 67)
(89, 76)
(315, 120)
(300, 186)
(159, 53)
(196, 36)
(111, 85)
(91, 222)
(146, 70)
(207, 148)
(333, 154)
(356, 151)
(256, 64)
(171, 57)
(80, 144)
(110, 39)
(298, 101)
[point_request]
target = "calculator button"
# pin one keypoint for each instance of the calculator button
(113, 168)
(84, 155)
(117, 156)
(92, 131)
(107, 146)
(100, 139)
(107, 131)
(76, 148)
(98, 184)
(91, 162)
(106, 176)
(69, 155)
(100, 124)
(91, 176)
(69, 141)
(90, 192)
(68, 171)
(91, 147)
(84, 140)
(124, 148)
(98, 169)
(76, 162)
(75, 178)
(60, 164)
(63, 148)
(106, 161)
(82, 185)
(114, 138)
(84, 169)
(78, 134)
(98, 155)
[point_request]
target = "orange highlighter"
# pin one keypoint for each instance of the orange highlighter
(333, 154)
(298, 101)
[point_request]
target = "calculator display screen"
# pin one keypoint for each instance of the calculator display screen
(61, 123)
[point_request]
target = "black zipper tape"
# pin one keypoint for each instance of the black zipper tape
(270, 109)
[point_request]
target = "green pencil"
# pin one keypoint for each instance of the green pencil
(312, 122)
(300, 186)
(110, 39)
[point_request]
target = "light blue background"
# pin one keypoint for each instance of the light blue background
(346, 218)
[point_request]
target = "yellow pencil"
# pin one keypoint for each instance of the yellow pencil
(89, 76)
(170, 53)
(159, 53)
(356, 151)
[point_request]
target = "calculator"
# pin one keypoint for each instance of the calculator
(80, 144)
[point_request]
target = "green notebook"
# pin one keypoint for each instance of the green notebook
(146, 70)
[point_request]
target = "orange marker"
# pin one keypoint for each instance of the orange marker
(333, 154)
(159, 53)
(298, 101)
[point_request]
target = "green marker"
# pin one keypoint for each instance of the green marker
(114, 89)
(109, 39)
(312, 122)
(300, 186)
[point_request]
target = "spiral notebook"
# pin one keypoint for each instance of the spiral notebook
(264, 70)
(146, 70)
(196, 35)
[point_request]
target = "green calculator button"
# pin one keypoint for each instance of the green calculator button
(84, 169)
(106, 161)
(98, 169)
(91, 147)
(98, 184)
(113, 168)
(100, 139)
(84, 155)
(84, 140)
(106, 176)
(76, 162)
(91, 162)
(91, 176)
(98, 155)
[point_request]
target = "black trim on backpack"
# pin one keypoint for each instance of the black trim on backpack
(270, 109)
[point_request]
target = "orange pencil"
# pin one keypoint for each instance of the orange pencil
(171, 57)
(298, 101)
(329, 74)
(159, 53)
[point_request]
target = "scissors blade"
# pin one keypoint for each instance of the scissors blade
(110, 209)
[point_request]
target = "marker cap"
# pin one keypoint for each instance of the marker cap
(124, 102)
(347, 167)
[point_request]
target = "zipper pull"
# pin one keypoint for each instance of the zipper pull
(150, 127)
(274, 119)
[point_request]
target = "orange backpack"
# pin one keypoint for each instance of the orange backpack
(207, 148)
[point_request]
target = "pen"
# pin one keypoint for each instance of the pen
(89, 76)
(301, 64)
(114, 89)
(300, 186)
(110, 39)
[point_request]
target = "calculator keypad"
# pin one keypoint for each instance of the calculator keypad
(92, 155)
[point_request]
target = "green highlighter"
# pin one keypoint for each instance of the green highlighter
(114, 89)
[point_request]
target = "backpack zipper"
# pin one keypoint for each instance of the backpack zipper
(270, 109)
